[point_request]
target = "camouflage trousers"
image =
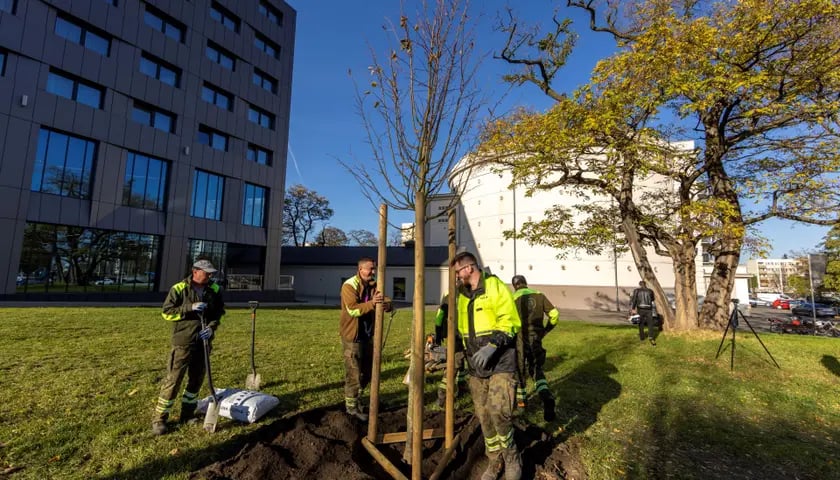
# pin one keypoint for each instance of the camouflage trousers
(534, 360)
(358, 363)
(183, 360)
(494, 399)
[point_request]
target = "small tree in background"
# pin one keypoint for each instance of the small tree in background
(331, 237)
(303, 209)
(362, 238)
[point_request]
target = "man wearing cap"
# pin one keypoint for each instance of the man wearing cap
(533, 307)
(187, 302)
(488, 323)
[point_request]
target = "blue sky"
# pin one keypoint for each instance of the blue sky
(334, 36)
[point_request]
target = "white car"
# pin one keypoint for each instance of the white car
(104, 281)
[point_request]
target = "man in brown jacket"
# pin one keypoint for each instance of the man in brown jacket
(358, 304)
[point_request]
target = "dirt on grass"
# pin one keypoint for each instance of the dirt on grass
(326, 444)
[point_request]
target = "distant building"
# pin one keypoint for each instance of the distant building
(138, 135)
(772, 273)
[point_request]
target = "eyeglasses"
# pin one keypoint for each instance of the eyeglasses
(465, 266)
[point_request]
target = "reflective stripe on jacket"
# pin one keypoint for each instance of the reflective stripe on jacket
(177, 308)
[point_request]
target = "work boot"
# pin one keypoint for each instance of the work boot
(494, 468)
(159, 427)
(188, 413)
(548, 407)
(357, 412)
(513, 463)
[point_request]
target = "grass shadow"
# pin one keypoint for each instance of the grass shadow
(831, 364)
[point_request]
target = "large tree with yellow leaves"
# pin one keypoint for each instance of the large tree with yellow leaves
(754, 83)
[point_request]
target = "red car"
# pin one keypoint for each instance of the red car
(781, 303)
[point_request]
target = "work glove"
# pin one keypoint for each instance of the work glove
(481, 358)
(206, 333)
(199, 306)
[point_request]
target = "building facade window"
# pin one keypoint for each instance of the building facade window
(212, 138)
(225, 17)
(253, 211)
(265, 45)
(58, 257)
(216, 252)
(2, 63)
(217, 96)
(260, 117)
(218, 55)
(148, 115)
(8, 6)
(145, 182)
(83, 92)
(63, 164)
(272, 14)
(258, 154)
(208, 191)
(160, 70)
(164, 23)
(75, 32)
(264, 81)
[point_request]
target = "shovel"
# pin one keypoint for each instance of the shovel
(252, 381)
(211, 418)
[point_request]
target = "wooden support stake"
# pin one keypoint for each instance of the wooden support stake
(397, 437)
(450, 339)
(383, 461)
(373, 409)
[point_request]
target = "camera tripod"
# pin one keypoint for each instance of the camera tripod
(733, 322)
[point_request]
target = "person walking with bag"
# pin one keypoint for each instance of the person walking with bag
(642, 303)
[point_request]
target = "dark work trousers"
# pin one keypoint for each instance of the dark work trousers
(183, 360)
(358, 363)
(646, 318)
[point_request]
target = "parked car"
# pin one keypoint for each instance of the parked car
(806, 309)
(105, 281)
(781, 304)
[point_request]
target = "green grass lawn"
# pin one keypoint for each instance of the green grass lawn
(78, 386)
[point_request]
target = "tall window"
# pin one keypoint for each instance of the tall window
(268, 11)
(216, 96)
(2, 63)
(208, 190)
(8, 6)
(259, 155)
(225, 17)
(264, 81)
(148, 115)
(75, 32)
(63, 164)
(398, 289)
(253, 211)
(145, 182)
(266, 45)
(220, 56)
(164, 23)
(160, 70)
(212, 138)
(260, 117)
(83, 92)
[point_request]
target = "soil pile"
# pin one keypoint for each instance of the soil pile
(325, 444)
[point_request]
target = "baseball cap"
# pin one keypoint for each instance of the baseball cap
(204, 265)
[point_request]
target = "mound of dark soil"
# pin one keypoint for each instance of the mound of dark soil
(325, 444)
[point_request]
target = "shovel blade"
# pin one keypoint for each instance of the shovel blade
(211, 418)
(252, 381)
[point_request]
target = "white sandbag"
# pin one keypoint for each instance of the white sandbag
(243, 405)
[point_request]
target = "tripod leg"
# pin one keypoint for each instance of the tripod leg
(732, 355)
(722, 339)
(759, 339)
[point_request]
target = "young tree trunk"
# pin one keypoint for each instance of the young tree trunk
(414, 440)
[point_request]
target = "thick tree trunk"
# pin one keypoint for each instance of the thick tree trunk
(685, 287)
(715, 312)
